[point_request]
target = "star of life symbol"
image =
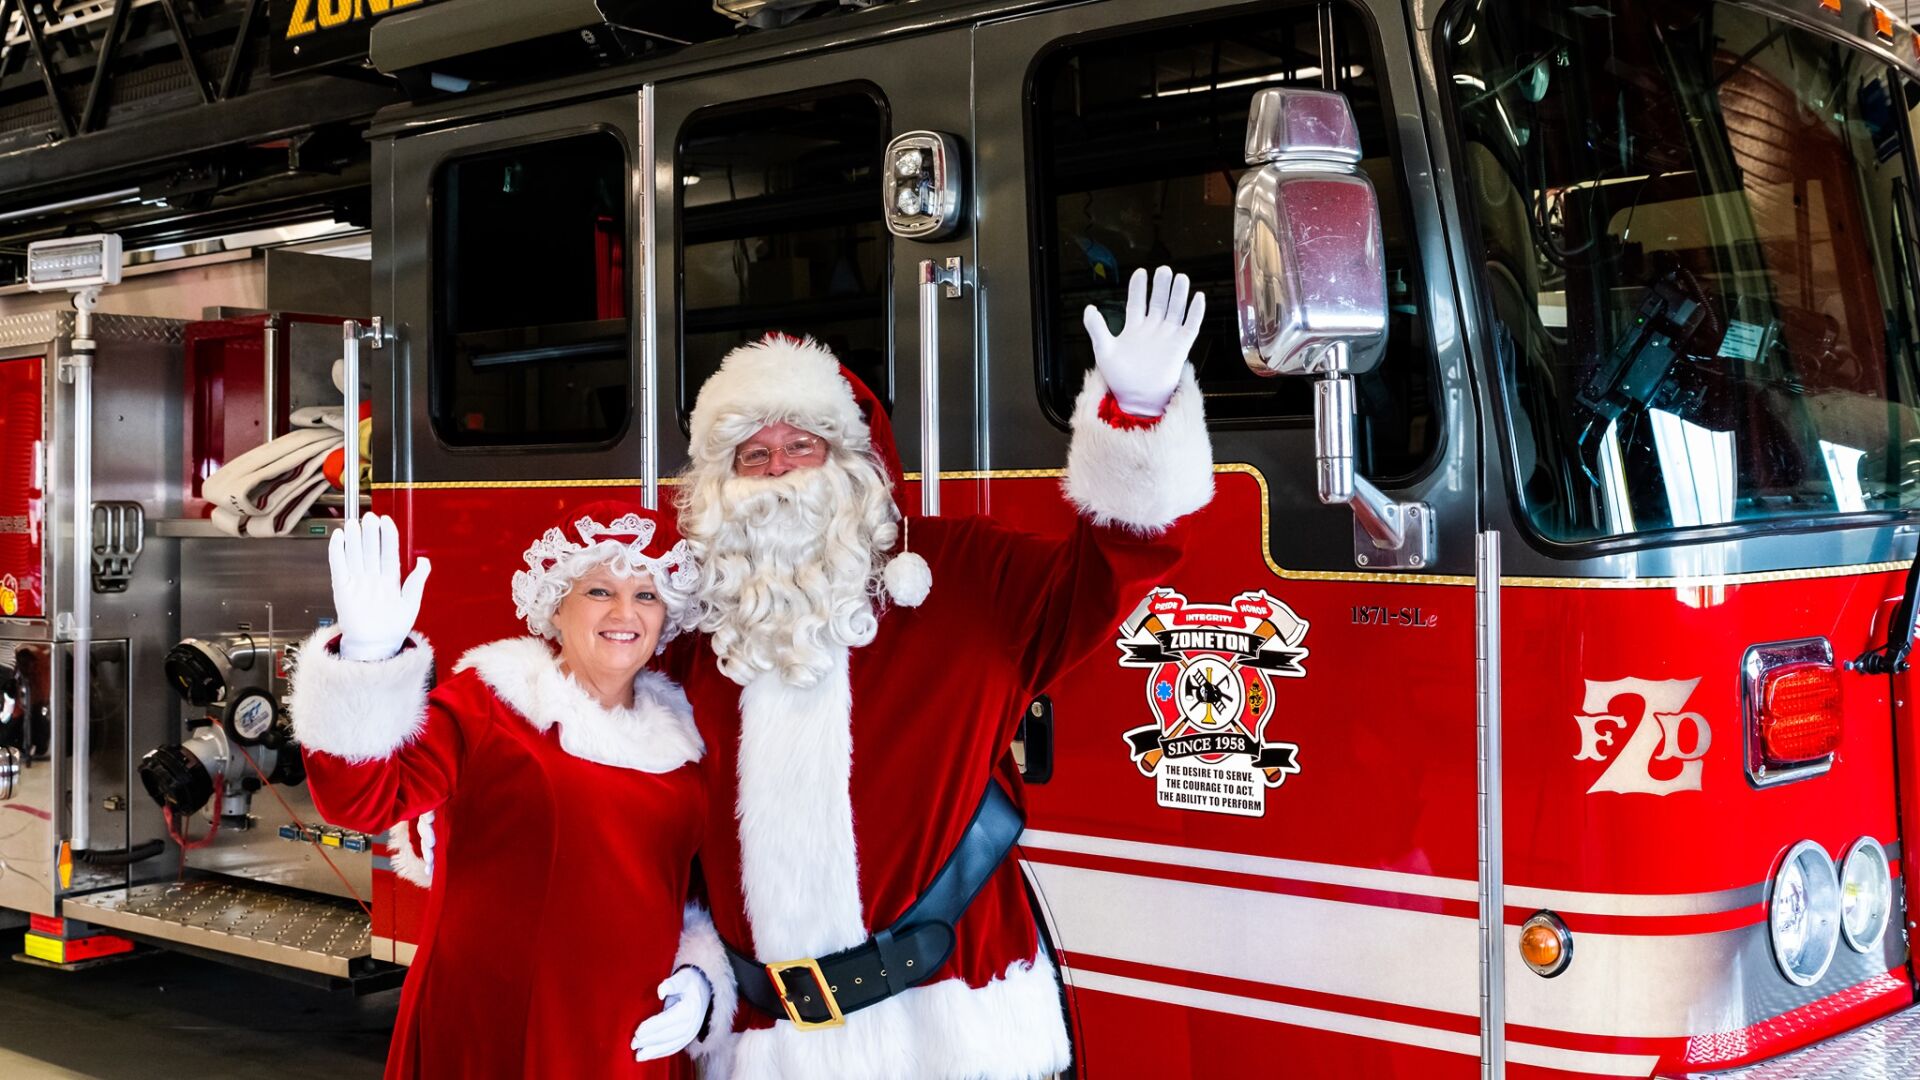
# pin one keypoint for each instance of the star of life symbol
(1663, 732)
(1210, 688)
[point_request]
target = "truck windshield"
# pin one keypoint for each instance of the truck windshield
(1696, 228)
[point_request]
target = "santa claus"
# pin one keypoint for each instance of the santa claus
(857, 700)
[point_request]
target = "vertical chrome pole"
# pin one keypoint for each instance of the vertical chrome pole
(270, 380)
(80, 368)
(649, 339)
(350, 389)
(936, 278)
(1493, 921)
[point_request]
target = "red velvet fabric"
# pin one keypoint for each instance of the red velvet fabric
(937, 697)
(557, 897)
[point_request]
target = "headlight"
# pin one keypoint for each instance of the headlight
(1803, 913)
(1866, 894)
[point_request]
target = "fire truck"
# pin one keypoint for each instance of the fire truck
(1533, 698)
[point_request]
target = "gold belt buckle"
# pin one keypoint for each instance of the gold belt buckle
(774, 971)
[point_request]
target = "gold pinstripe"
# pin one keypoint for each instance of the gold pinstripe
(1266, 532)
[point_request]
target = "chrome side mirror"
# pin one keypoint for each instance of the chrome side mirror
(1311, 284)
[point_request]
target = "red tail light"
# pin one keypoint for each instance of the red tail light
(1800, 713)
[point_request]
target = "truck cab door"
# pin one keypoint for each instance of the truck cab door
(1309, 897)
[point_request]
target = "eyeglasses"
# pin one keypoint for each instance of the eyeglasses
(757, 457)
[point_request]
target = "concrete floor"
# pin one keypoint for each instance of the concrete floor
(167, 1015)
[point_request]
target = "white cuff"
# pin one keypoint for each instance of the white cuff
(1146, 478)
(701, 947)
(360, 710)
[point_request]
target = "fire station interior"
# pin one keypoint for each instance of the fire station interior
(232, 306)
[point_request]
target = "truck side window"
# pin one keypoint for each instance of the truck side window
(1138, 149)
(530, 342)
(780, 230)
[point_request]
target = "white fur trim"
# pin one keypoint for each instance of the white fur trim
(798, 868)
(796, 382)
(700, 946)
(415, 870)
(1010, 1029)
(656, 735)
(361, 710)
(909, 579)
(1144, 479)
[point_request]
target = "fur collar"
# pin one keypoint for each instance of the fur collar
(656, 735)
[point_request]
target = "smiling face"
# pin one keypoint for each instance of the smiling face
(609, 625)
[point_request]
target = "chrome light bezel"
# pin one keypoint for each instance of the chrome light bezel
(1823, 909)
(1867, 848)
(939, 182)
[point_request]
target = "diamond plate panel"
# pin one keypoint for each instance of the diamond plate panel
(314, 934)
(1888, 1049)
(40, 327)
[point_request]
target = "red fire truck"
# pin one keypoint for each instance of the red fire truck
(1533, 699)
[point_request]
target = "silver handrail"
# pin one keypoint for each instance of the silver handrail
(350, 387)
(79, 368)
(943, 277)
(649, 340)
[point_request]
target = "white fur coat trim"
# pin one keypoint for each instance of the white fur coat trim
(360, 710)
(1010, 1029)
(1146, 479)
(700, 946)
(798, 869)
(656, 735)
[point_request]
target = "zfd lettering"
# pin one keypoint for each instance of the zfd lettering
(311, 15)
(1662, 732)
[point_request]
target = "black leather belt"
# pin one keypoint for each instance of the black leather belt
(818, 993)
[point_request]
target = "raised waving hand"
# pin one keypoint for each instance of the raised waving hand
(372, 607)
(1142, 363)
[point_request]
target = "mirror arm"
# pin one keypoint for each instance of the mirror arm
(1387, 534)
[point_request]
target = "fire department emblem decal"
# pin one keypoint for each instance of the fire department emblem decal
(1210, 687)
(9, 595)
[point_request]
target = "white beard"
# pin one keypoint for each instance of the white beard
(789, 565)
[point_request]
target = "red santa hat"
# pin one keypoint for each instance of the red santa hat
(586, 536)
(784, 379)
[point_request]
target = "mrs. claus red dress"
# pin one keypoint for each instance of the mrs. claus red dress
(558, 899)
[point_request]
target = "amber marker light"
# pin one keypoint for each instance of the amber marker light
(1546, 944)
(1883, 24)
(1830, 5)
(1800, 713)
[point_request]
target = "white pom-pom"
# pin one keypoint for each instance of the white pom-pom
(909, 579)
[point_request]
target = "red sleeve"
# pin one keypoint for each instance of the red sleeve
(371, 795)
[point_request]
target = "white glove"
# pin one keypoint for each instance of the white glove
(372, 608)
(684, 997)
(1142, 365)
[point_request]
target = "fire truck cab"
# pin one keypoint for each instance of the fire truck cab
(1532, 699)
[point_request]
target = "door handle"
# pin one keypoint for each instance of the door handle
(944, 277)
(1033, 743)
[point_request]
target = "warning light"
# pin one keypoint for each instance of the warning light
(1883, 25)
(66, 865)
(1799, 713)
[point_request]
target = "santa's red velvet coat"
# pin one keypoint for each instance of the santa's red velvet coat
(832, 807)
(558, 897)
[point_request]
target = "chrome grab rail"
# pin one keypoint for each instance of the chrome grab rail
(936, 278)
(351, 334)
